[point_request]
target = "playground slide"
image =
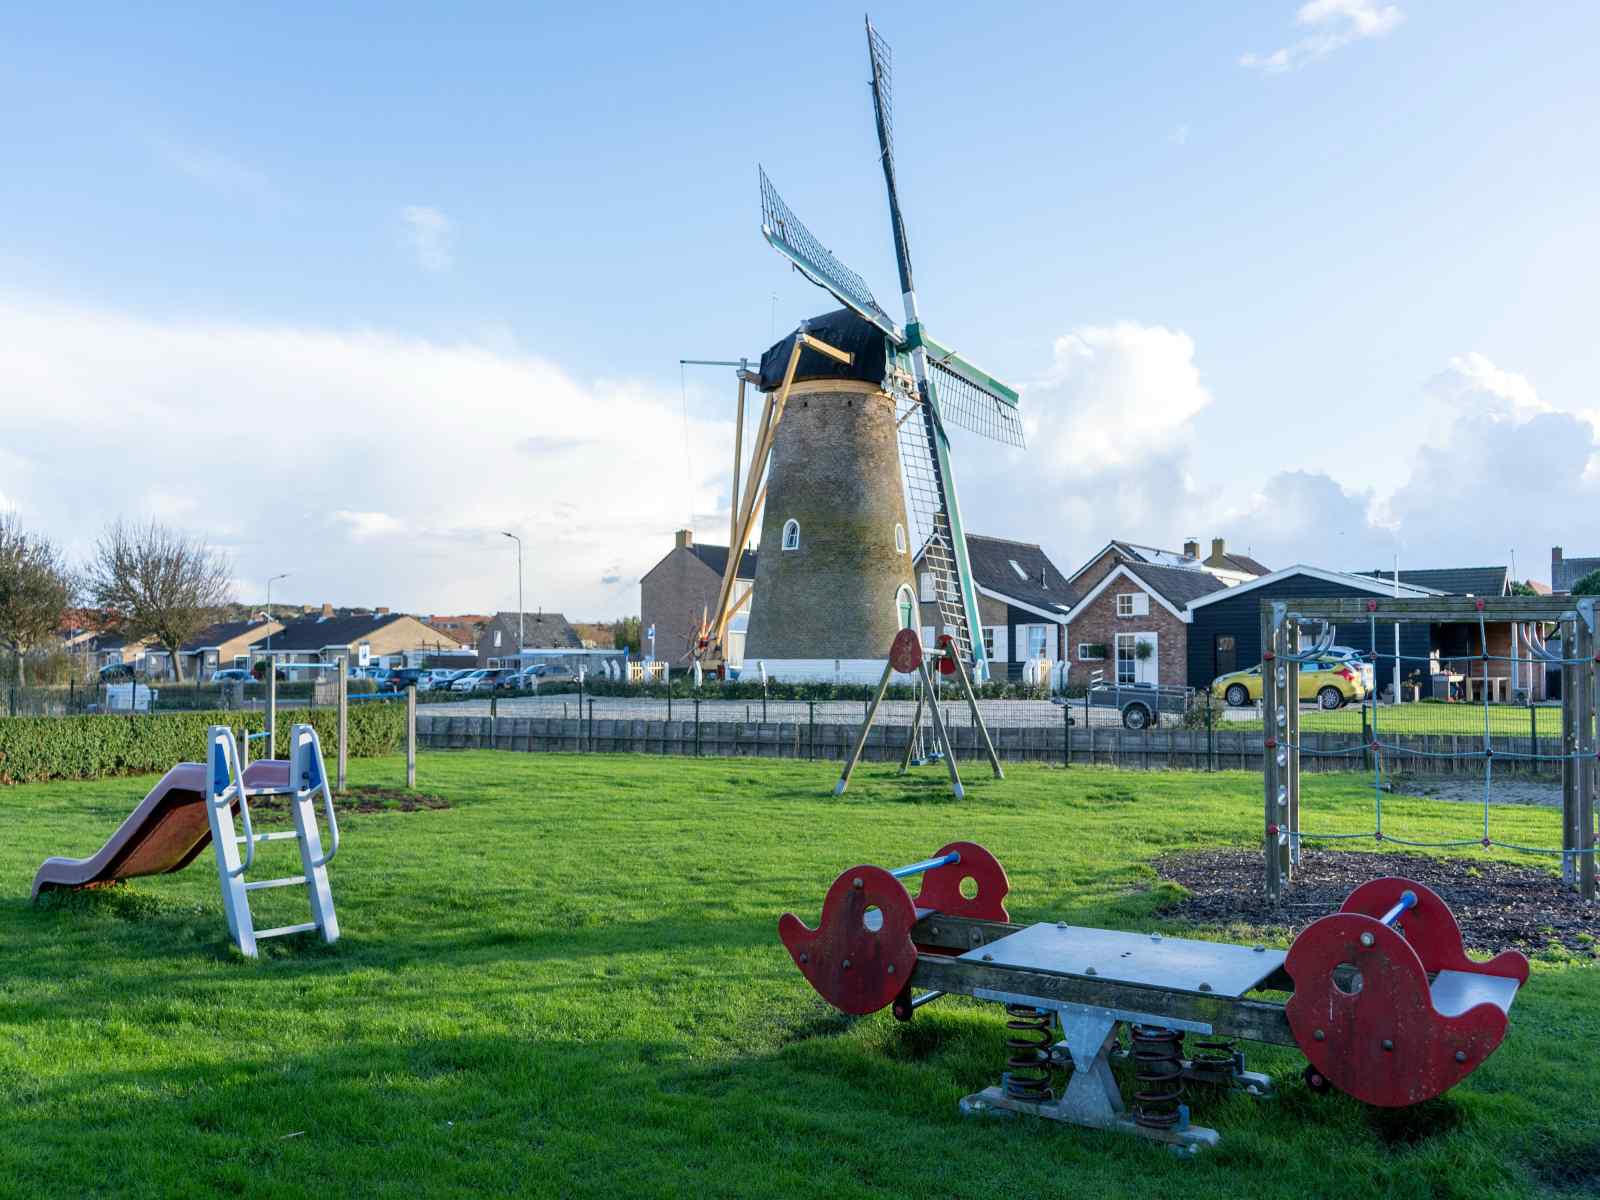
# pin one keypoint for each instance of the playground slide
(164, 834)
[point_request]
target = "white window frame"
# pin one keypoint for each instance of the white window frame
(925, 587)
(497, 639)
(791, 534)
(988, 643)
(1132, 640)
(905, 607)
(899, 538)
(1041, 633)
(1085, 656)
(1133, 604)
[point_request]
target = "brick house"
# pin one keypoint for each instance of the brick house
(370, 639)
(225, 644)
(1564, 571)
(685, 584)
(1230, 568)
(1133, 605)
(497, 644)
(1023, 600)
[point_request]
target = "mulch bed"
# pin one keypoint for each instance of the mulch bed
(1498, 905)
(368, 799)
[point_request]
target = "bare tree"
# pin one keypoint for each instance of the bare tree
(161, 582)
(36, 587)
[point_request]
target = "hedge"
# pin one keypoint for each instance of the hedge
(40, 749)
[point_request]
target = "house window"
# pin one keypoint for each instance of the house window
(988, 643)
(1091, 652)
(791, 534)
(907, 604)
(925, 583)
(1038, 640)
(1132, 604)
(899, 538)
(927, 637)
(497, 639)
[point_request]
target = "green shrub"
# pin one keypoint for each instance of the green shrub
(39, 749)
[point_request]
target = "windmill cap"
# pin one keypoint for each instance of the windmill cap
(842, 329)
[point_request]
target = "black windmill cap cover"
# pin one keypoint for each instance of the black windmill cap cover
(841, 329)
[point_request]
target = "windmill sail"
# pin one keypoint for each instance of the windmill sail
(790, 238)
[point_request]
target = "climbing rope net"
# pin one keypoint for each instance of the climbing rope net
(1577, 750)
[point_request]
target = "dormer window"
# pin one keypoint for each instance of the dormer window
(791, 534)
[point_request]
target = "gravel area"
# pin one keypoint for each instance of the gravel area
(1498, 905)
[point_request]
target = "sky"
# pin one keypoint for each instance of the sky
(351, 292)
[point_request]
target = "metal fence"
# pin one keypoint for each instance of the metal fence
(78, 699)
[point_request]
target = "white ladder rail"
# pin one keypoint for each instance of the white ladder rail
(307, 779)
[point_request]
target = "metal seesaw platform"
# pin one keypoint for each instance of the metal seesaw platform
(1385, 1004)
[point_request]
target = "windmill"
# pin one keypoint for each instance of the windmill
(933, 386)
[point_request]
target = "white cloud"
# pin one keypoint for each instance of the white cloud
(430, 235)
(1179, 135)
(375, 469)
(364, 525)
(1331, 25)
(216, 171)
(1114, 394)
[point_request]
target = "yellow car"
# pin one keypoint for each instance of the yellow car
(1331, 682)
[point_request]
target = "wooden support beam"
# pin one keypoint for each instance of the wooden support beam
(1440, 609)
(1255, 1020)
(1272, 776)
(939, 729)
(734, 546)
(866, 727)
(977, 717)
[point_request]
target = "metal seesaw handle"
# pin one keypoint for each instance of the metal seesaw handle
(928, 864)
(303, 735)
(1408, 899)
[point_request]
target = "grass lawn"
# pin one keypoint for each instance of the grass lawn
(1430, 717)
(569, 984)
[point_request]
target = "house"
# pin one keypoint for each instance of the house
(1225, 626)
(462, 628)
(497, 644)
(1227, 567)
(1512, 647)
(1565, 572)
(378, 639)
(1023, 601)
(1132, 627)
(224, 644)
(681, 590)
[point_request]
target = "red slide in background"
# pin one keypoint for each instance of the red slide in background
(164, 834)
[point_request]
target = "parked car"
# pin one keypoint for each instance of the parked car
(439, 678)
(1331, 682)
(118, 672)
(232, 675)
(399, 679)
(467, 681)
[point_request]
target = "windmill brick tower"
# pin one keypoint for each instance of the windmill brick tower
(836, 584)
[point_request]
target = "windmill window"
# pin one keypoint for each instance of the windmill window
(1017, 567)
(899, 538)
(791, 534)
(907, 605)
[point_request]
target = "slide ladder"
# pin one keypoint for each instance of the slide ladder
(225, 787)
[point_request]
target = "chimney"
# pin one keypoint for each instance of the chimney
(380, 612)
(1191, 549)
(1218, 548)
(684, 538)
(1555, 569)
(327, 611)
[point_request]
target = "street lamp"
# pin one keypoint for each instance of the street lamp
(270, 582)
(518, 541)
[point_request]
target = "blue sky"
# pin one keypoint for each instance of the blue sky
(446, 261)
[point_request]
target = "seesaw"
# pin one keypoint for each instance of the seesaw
(1386, 1005)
